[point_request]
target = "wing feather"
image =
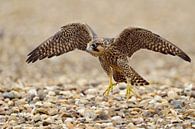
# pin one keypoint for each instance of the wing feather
(131, 40)
(69, 37)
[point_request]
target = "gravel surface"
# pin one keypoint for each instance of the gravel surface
(67, 92)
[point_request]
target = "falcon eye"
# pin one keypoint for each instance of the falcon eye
(93, 45)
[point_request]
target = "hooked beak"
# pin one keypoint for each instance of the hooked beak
(88, 49)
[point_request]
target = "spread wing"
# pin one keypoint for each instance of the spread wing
(69, 37)
(132, 39)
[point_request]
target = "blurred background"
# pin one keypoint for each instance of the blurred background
(25, 24)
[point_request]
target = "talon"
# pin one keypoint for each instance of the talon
(110, 88)
(131, 91)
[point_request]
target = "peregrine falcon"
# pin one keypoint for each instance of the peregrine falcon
(113, 53)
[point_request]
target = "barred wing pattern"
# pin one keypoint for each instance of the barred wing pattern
(132, 39)
(69, 37)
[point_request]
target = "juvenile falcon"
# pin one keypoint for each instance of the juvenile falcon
(113, 53)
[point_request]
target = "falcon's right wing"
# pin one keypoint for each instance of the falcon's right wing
(69, 37)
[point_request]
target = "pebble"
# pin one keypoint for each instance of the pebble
(188, 88)
(138, 120)
(102, 115)
(132, 126)
(31, 94)
(177, 104)
(172, 94)
(37, 118)
(103, 125)
(193, 94)
(193, 124)
(155, 100)
(81, 101)
(52, 111)
(39, 104)
(117, 119)
(87, 114)
(41, 110)
(9, 95)
(46, 104)
(91, 91)
(2, 111)
(69, 120)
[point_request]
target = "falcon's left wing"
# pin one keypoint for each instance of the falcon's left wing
(131, 40)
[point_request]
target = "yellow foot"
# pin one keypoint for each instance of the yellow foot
(110, 88)
(131, 91)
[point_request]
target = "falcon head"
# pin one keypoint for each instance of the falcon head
(97, 47)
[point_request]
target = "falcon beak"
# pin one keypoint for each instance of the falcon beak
(89, 49)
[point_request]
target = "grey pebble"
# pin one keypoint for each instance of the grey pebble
(9, 95)
(177, 104)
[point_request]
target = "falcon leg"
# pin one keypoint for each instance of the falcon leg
(131, 91)
(110, 86)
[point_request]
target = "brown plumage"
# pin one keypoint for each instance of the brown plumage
(112, 52)
(133, 39)
(136, 79)
(69, 37)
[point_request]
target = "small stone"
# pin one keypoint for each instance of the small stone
(69, 125)
(46, 123)
(3, 119)
(138, 120)
(103, 125)
(172, 94)
(2, 111)
(15, 109)
(41, 94)
(47, 104)
(193, 124)
(39, 104)
(10, 103)
(117, 119)
(155, 99)
(52, 111)
(187, 124)
(188, 88)
(91, 91)
(69, 120)
(44, 116)
(37, 118)
(9, 95)
(42, 110)
(132, 126)
(31, 94)
(177, 104)
(158, 98)
(102, 115)
(81, 101)
(190, 112)
(192, 94)
(49, 120)
(88, 114)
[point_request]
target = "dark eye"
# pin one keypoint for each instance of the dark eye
(93, 45)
